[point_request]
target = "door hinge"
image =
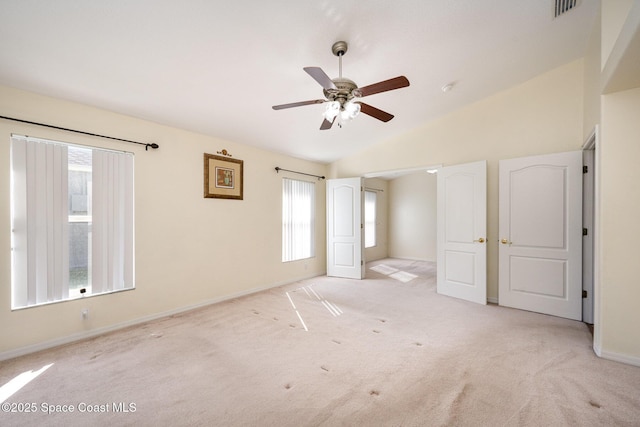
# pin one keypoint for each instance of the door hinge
(584, 293)
(361, 262)
(585, 231)
(585, 169)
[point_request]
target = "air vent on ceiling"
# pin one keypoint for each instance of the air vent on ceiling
(564, 6)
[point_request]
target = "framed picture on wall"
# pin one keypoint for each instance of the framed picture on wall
(222, 177)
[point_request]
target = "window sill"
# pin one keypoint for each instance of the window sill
(80, 297)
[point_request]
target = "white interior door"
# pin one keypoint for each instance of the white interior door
(588, 200)
(462, 228)
(540, 222)
(345, 252)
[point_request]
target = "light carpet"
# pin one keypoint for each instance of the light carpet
(373, 352)
(394, 273)
(383, 268)
(403, 276)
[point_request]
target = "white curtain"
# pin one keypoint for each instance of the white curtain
(112, 227)
(40, 222)
(298, 219)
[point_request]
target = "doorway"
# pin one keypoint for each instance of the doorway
(589, 224)
(392, 175)
(406, 216)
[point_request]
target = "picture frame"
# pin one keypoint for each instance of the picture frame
(223, 177)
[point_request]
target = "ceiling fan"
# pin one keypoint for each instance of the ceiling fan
(342, 94)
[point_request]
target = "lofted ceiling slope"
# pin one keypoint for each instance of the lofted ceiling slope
(217, 67)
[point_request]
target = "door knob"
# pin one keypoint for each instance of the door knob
(480, 240)
(505, 242)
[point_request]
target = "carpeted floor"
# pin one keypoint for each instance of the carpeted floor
(333, 352)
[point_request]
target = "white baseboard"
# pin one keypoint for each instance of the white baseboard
(22, 351)
(617, 357)
(492, 300)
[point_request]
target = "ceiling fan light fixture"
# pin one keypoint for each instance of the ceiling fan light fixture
(350, 111)
(332, 110)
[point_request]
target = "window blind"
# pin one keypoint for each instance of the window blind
(72, 221)
(112, 255)
(298, 219)
(40, 230)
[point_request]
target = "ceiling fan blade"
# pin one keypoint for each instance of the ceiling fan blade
(391, 84)
(374, 112)
(326, 124)
(321, 77)
(298, 104)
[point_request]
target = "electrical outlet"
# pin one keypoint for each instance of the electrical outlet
(85, 313)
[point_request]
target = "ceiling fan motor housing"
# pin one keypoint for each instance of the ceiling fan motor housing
(346, 90)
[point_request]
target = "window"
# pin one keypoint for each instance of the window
(298, 219)
(72, 221)
(79, 180)
(370, 200)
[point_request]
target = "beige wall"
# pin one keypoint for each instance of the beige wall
(614, 13)
(542, 115)
(620, 228)
(592, 83)
(617, 306)
(189, 250)
(412, 217)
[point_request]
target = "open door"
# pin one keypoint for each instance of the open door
(462, 231)
(345, 252)
(540, 216)
(588, 222)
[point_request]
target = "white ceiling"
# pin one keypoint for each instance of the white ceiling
(217, 67)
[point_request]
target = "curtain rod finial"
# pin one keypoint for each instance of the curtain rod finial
(153, 145)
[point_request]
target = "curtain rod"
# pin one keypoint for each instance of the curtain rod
(278, 169)
(374, 189)
(146, 146)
